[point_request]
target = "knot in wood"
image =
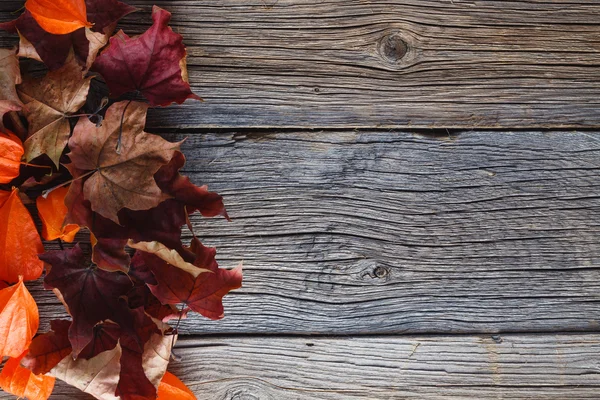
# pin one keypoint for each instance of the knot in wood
(380, 272)
(393, 48)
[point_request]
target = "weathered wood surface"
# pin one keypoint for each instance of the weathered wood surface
(385, 63)
(392, 232)
(421, 367)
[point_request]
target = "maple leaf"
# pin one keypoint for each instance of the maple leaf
(195, 198)
(48, 349)
(20, 243)
(10, 76)
(59, 16)
(171, 388)
(91, 294)
(173, 285)
(125, 178)
(11, 151)
(152, 63)
(49, 100)
(23, 383)
(19, 320)
(52, 211)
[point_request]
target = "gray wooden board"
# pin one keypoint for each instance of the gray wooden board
(422, 367)
(348, 232)
(337, 63)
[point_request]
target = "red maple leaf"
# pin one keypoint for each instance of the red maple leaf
(152, 63)
(173, 285)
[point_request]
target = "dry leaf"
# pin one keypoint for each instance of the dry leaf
(23, 383)
(52, 211)
(48, 101)
(19, 245)
(170, 256)
(19, 320)
(11, 151)
(59, 16)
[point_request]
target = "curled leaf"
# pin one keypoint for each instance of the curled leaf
(23, 383)
(19, 320)
(172, 257)
(19, 245)
(59, 16)
(52, 211)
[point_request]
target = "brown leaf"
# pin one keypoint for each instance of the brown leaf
(10, 76)
(48, 101)
(122, 173)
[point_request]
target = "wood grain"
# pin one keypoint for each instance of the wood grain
(422, 367)
(385, 63)
(392, 232)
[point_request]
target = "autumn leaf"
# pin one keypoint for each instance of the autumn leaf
(49, 101)
(98, 376)
(91, 294)
(23, 383)
(20, 243)
(104, 13)
(48, 349)
(11, 151)
(195, 198)
(10, 76)
(121, 159)
(170, 256)
(19, 320)
(152, 63)
(171, 388)
(52, 211)
(59, 16)
(203, 294)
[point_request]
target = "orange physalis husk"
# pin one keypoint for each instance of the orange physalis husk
(11, 151)
(171, 388)
(23, 383)
(59, 16)
(19, 320)
(20, 242)
(52, 211)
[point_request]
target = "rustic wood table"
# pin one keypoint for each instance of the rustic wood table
(415, 194)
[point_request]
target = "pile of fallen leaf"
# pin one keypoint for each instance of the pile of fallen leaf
(84, 162)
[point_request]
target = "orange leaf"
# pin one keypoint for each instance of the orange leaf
(11, 151)
(171, 388)
(59, 16)
(19, 320)
(23, 383)
(52, 211)
(20, 243)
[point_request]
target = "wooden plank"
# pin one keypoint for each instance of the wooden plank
(423, 367)
(386, 63)
(389, 232)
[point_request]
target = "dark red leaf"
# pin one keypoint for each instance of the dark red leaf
(48, 349)
(203, 294)
(104, 13)
(106, 336)
(195, 198)
(91, 294)
(152, 63)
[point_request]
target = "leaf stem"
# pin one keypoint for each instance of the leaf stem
(118, 147)
(46, 192)
(35, 165)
